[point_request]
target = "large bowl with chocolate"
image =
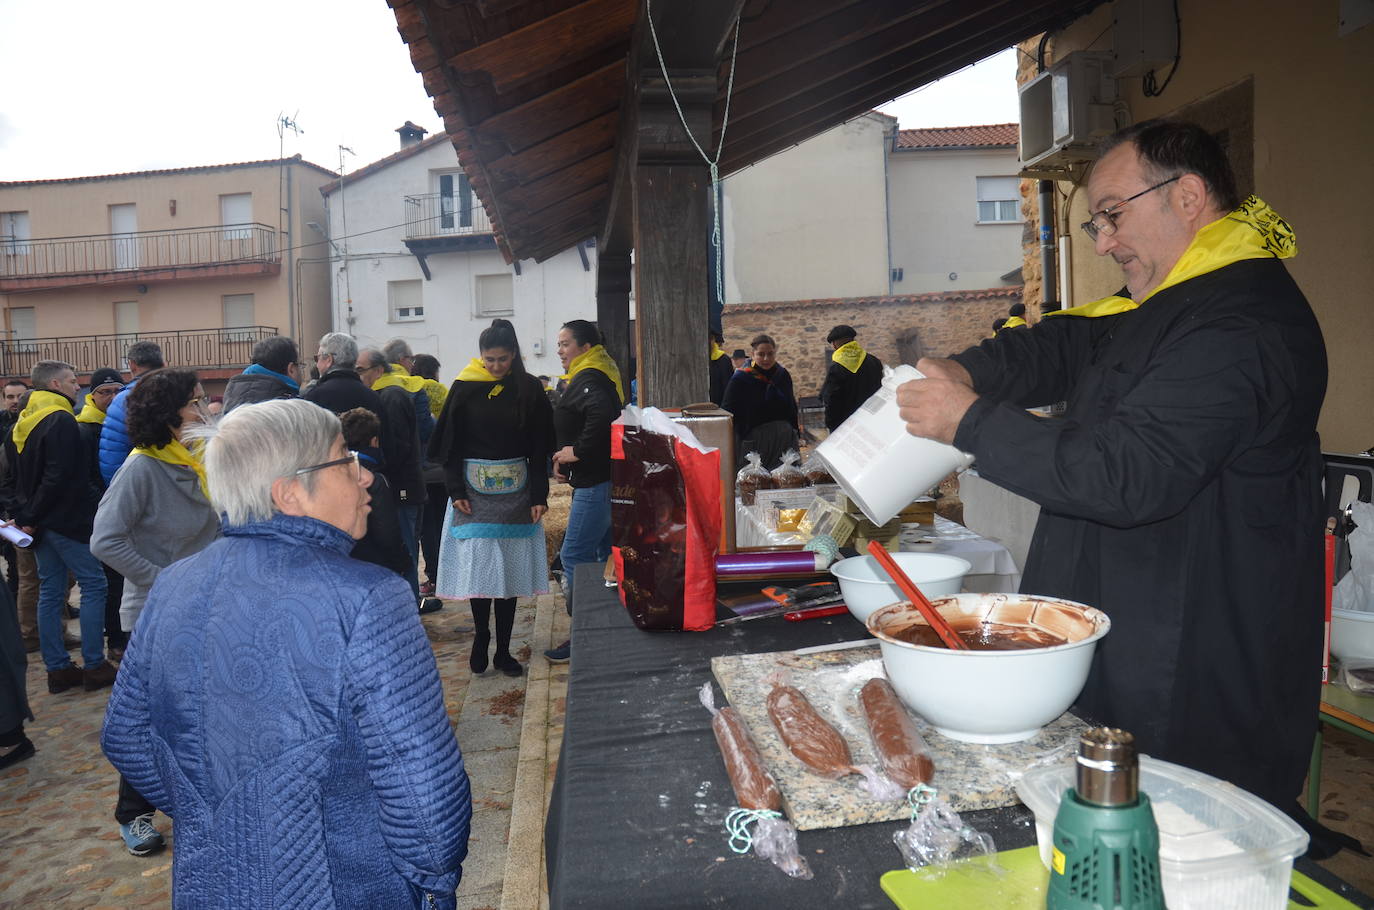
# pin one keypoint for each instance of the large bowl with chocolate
(866, 587)
(1027, 661)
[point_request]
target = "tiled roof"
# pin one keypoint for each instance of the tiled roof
(389, 160)
(198, 169)
(996, 135)
(1012, 292)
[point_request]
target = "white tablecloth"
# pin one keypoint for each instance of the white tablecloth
(992, 567)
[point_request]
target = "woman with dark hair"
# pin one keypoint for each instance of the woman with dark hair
(156, 511)
(582, 417)
(493, 441)
(760, 397)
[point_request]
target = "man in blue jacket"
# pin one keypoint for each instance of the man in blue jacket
(143, 356)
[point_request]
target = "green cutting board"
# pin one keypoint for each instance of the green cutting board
(973, 887)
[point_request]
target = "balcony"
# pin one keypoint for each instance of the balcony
(143, 257)
(443, 223)
(198, 349)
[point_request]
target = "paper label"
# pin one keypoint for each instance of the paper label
(1057, 860)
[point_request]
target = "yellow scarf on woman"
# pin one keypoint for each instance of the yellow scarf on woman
(596, 358)
(850, 356)
(717, 351)
(177, 454)
(90, 413)
(1252, 231)
(41, 404)
(476, 371)
(398, 375)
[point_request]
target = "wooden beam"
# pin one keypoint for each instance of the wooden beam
(529, 199)
(512, 131)
(554, 154)
(613, 305)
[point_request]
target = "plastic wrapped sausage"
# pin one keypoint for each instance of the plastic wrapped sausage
(754, 786)
(809, 736)
(902, 751)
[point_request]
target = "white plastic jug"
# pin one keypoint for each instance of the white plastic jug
(881, 466)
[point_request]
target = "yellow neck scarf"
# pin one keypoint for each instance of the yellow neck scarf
(717, 351)
(1252, 231)
(177, 454)
(476, 371)
(90, 413)
(41, 404)
(397, 375)
(850, 356)
(596, 358)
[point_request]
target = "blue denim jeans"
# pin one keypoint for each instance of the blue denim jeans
(56, 556)
(589, 528)
(409, 517)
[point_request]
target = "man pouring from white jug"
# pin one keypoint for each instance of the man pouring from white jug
(1180, 493)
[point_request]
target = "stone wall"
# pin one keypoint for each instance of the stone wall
(897, 329)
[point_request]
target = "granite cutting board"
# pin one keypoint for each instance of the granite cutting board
(967, 775)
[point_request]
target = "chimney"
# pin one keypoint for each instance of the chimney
(411, 134)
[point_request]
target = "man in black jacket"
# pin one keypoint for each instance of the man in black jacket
(1180, 492)
(274, 373)
(54, 499)
(853, 375)
(340, 388)
(404, 457)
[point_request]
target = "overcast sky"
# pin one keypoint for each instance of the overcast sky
(101, 87)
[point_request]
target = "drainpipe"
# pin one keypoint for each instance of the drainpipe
(1048, 278)
(292, 330)
(887, 200)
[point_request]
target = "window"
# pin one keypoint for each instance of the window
(455, 201)
(236, 212)
(495, 295)
(238, 314)
(999, 200)
(126, 317)
(14, 230)
(404, 300)
(23, 328)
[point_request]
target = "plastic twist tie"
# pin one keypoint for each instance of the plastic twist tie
(825, 545)
(737, 826)
(918, 796)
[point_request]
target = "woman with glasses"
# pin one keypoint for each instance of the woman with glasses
(493, 441)
(156, 511)
(280, 700)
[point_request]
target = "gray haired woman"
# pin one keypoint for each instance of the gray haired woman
(279, 699)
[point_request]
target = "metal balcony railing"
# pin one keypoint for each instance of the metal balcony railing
(176, 248)
(192, 349)
(443, 215)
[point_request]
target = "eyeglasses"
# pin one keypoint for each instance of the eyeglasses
(1104, 222)
(203, 401)
(351, 457)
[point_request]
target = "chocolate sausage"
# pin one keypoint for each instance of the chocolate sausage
(754, 786)
(812, 740)
(899, 745)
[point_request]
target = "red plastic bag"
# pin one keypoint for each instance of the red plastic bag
(665, 521)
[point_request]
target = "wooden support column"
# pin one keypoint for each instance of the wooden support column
(671, 232)
(613, 306)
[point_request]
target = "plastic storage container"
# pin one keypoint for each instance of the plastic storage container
(1219, 846)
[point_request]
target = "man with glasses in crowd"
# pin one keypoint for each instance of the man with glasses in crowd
(1180, 492)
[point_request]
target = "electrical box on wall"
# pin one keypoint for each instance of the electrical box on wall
(1065, 112)
(1144, 36)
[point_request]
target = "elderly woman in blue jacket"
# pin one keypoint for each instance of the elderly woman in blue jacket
(279, 700)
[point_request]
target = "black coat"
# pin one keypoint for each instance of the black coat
(51, 485)
(756, 397)
(1180, 494)
(382, 545)
(582, 419)
(722, 368)
(844, 392)
(515, 422)
(252, 388)
(401, 446)
(342, 390)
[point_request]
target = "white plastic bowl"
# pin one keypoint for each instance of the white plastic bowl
(1352, 634)
(866, 587)
(991, 696)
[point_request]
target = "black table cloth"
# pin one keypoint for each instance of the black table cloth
(641, 794)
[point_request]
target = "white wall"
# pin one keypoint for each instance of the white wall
(546, 294)
(935, 229)
(810, 222)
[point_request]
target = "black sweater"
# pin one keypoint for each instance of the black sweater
(583, 420)
(479, 422)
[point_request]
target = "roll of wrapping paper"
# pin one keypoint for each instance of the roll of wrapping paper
(771, 564)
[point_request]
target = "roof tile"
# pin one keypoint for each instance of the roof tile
(1013, 291)
(995, 135)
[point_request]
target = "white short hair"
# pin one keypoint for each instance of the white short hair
(254, 445)
(342, 348)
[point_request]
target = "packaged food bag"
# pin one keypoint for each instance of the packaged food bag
(787, 476)
(752, 478)
(665, 521)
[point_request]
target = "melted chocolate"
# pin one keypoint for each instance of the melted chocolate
(984, 636)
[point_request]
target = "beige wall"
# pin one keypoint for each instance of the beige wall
(64, 209)
(811, 221)
(935, 229)
(1313, 135)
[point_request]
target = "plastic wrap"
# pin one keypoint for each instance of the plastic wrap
(787, 476)
(816, 470)
(938, 836)
(773, 837)
(752, 478)
(1355, 590)
(903, 752)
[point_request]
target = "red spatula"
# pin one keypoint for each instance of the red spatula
(913, 594)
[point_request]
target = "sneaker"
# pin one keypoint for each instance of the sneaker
(141, 837)
(69, 677)
(103, 675)
(560, 654)
(430, 605)
(427, 588)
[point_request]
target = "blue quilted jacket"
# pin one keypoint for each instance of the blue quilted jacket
(281, 703)
(114, 435)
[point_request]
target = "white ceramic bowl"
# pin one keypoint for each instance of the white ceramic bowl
(990, 696)
(1352, 634)
(866, 587)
